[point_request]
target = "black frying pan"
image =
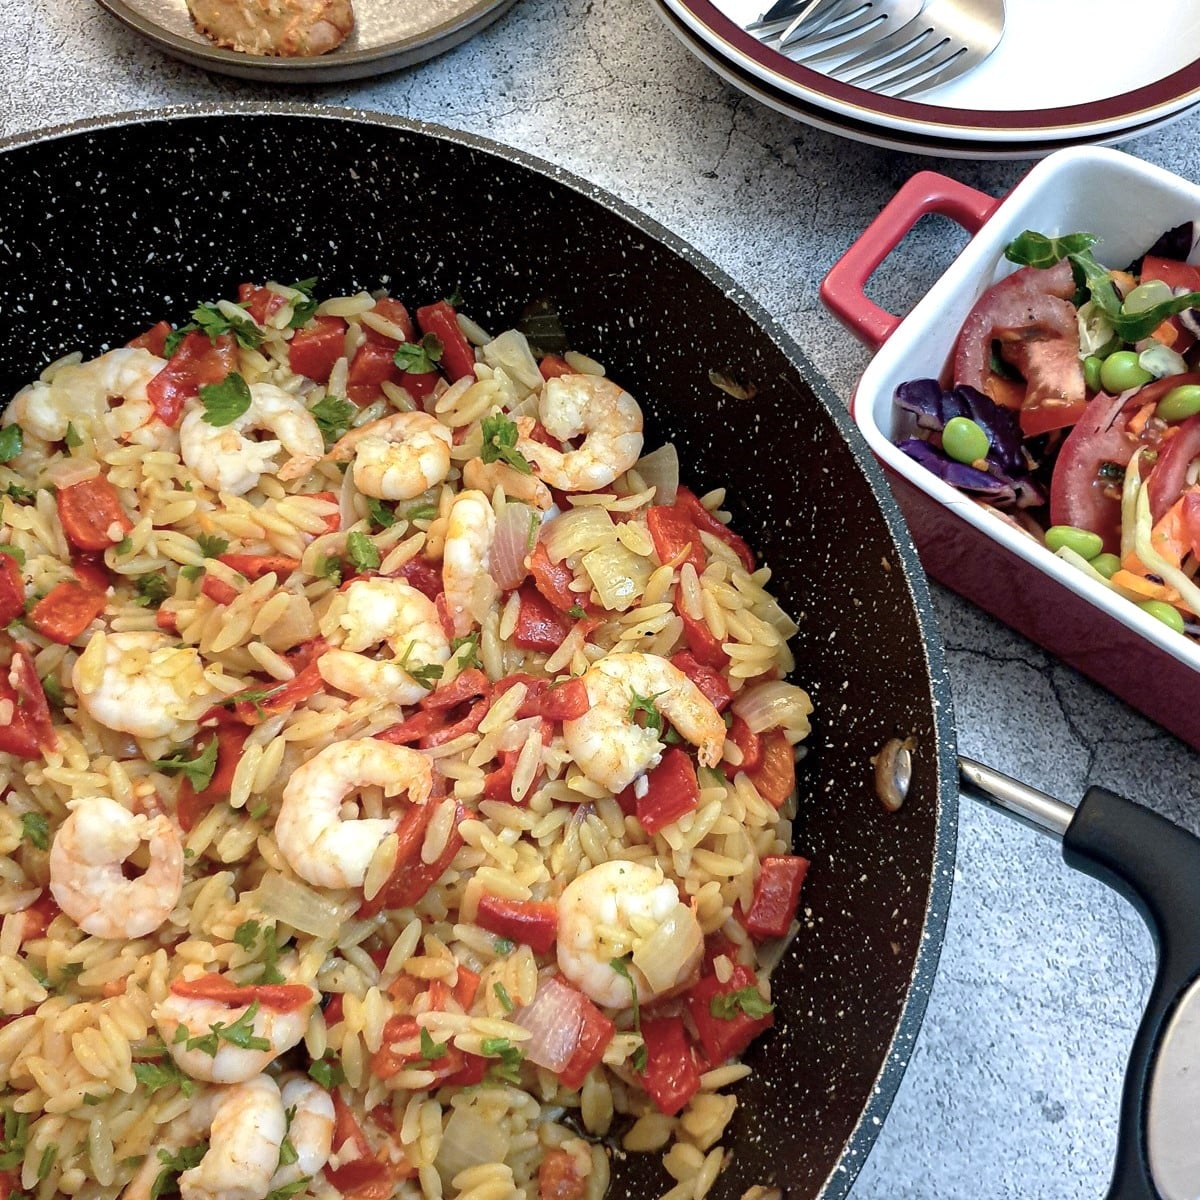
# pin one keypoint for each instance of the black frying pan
(108, 226)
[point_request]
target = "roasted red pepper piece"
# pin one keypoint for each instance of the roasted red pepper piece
(564, 701)
(91, 515)
(30, 727)
(315, 348)
(255, 566)
(280, 997)
(722, 1038)
(260, 302)
(372, 364)
(38, 916)
(198, 360)
(217, 590)
(671, 791)
(533, 923)
(540, 626)
(776, 895)
(550, 366)
(154, 339)
(690, 504)
(65, 611)
(705, 647)
(191, 805)
(710, 681)
(410, 833)
(458, 359)
(671, 1077)
(553, 579)
(775, 776)
(423, 575)
(595, 1033)
(673, 532)
(749, 743)
(12, 589)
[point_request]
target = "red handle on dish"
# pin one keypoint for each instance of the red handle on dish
(842, 290)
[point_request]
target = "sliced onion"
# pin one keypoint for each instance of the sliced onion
(516, 534)
(296, 905)
(470, 1139)
(672, 952)
(772, 704)
(68, 471)
(510, 353)
(660, 470)
(618, 575)
(554, 1021)
(346, 494)
(1160, 360)
(578, 531)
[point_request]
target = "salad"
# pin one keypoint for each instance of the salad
(1073, 411)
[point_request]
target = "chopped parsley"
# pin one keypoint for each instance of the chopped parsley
(289, 1189)
(333, 416)
(53, 690)
(303, 310)
(645, 707)
(505, 999)
(210, 546)
(503, 945)
(577, 611)
(467, 650)
(508, 1069)
(155, 1075)
(72, 437)
(363, 552)
(246, 934)
(748, 1000)
(431, 1050)
(419, 357)
(224, 402)
(199, 770)
(18, 493)
(46, 1163)
(621, 966)
(240, 1034)
(259, 810)
(454, 299)
(151, 590)
(35, 829)
(11, 443)
(381, 515)
(421, 512)
(191, 572)
(426, 675)
(250, 933)
(209, 319)
(123, 546)
(500, 443)
(328, 567)
(174, 1165)
(14, 552)
(327, 1072)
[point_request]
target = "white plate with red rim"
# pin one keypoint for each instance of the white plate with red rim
(1059, 73)
(875, 134)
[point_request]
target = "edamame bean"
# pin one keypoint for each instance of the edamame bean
(965, 441)
(1168, 614)
(1084, 542)
(1091, 372)
(1121, 371)
(1180, 402)
(1107, 564)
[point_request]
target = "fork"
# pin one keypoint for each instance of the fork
(945, 40)
(840, 26)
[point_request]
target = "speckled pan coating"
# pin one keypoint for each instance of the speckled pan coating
(107, 226)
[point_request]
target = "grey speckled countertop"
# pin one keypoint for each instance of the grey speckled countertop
(1013, 1090)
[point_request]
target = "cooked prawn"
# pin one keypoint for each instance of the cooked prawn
(611, 748)
(227, 460)
(607, 417)
(319, 843)
(397, 457)
(140, 682)
(470, 530)
(86, 878)
(619, 909)
(374, 611)
(310, 1130)
(182, 1018)
(79, 396)
(246, 1124)
(487, 477)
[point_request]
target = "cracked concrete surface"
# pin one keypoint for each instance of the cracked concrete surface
(1014, 1086)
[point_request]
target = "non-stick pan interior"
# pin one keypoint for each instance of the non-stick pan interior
(108, 227)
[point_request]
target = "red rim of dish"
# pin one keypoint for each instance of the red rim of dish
(1132, 105)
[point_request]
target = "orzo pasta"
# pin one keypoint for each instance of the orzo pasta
(397, 770)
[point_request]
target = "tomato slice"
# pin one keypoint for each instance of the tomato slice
(458, 359)
(198, 360)
(1168, 479)
(12, 589)
(316, 347)
(154, 339)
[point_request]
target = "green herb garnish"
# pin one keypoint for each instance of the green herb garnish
(503, 945)
(431, 1050)
(508, 1068)
(209, 319)
(500, 437)
(210, 546)
(421, 512)
(191, 572)
(240, 1034)
(20, 494)
(155, 1075)
(727, 1005)
(327, 1072)
(16, 1135)
(329, 568)
(198, 770)
(644, 705)
(380, 514)
(224, 402)
(14, 552)
(174, 1165)
(246, 934)
(35, 829)
(289, 1189)
(577, 611)
(72, 438)
(333, 416)
(303, 310)
(123, 546)
(426, 675)
(419, 357)
(621, 966)
(505, 999)
(363, 552)
(467, 650)
(11, 444)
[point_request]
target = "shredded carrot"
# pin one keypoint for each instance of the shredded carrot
(1138, 421)
(1142, 588)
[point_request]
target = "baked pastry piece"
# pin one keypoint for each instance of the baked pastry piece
(286, 28)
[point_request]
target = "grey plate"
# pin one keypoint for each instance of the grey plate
(388, 34)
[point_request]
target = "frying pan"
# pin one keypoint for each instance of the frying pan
(108, 226)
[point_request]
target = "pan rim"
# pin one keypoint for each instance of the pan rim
(900, 1048)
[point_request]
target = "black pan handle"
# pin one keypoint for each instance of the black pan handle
(1155, 865)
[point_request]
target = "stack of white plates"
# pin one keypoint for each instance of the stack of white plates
(1065, 73)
